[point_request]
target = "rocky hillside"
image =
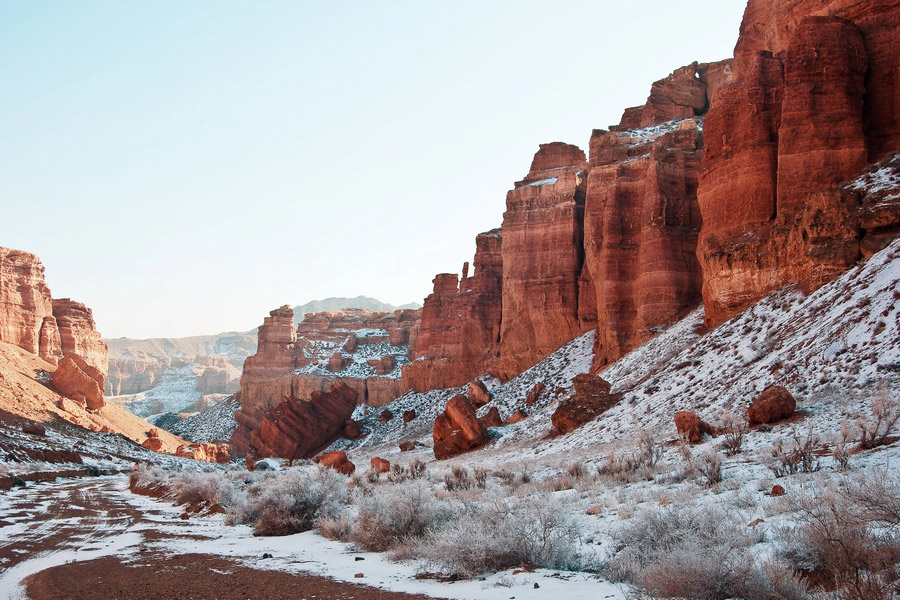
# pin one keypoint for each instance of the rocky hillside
(52, 360)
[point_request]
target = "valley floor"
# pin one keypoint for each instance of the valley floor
(91, 538)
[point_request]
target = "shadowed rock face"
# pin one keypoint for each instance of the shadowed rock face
(457, 429)
(811, 102)
(295, 428)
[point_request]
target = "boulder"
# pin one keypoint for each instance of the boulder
(591, 399)
(380, 465)
(409, 415)
(385, 416)
(535, 393)
(352, 429)
(34, 429)
(338, 461)
(774, 404)
(491, 418)
(457, 429)
(777, 490)
(153, 443)
(207, 452)
(692, 428)
(517, 416)
(478, 393)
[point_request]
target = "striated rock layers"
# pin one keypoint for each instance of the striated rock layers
(51, 329)
(292, 380)
(294, 428)
(811, 101)
(606, 242)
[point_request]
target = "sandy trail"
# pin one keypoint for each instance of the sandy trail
(84, 539)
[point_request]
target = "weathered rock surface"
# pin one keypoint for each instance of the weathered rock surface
(591, 399)
(457, 429)
(810, 103)
(691, 428)
(460, 326)
(78, 334)
(26, 309)
(478, 394)
(774, 404)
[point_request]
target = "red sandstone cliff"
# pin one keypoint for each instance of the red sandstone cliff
(812, 100)
(460, 324)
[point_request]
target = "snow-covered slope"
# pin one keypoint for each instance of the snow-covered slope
(215, 424)
(835, 350)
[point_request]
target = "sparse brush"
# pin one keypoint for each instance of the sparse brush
(577, 470)
(876, 429)
(734, 430)
(841, 452)
(418, 469)
(458, 479)
(795, 456)
(397, 515)
(710, 467)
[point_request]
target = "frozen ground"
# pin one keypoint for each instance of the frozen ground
(176, 392)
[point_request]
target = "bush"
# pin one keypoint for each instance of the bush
(848, 541)
(877, 428)
(397, 515)
(510, 533)
(291, 501)
(661, 542)
(795, 456)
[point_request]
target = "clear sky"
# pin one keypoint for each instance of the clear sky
(185, 167)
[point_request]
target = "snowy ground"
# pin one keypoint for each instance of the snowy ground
(176, 392)
(214, 424)
(121, 529)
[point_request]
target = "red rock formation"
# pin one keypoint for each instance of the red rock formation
(266, 379)
(457, 429)
(352, 429)
(26, 309)
(640, 232)
(338, 461)
(519, 415)
(78, 334)
(295, 428)
(811, 101)
(542, 258)
(478, 393)
(491, 418)
(591, 399)
(774, 404)
(81, 382)
(409, 415)
(460, 324)
(692, 428)
(535, 393)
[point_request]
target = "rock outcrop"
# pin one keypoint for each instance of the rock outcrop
(338, 461)
(78, 334)
(460, 327)
(75, 379)
(811, 101)
(207, 452)
(26, 309)
(457, 429)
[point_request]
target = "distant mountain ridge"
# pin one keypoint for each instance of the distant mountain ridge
(338, 303)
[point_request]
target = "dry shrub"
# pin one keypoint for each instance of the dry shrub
(628, 466)
(393, 516)
(512, 532)
(335, 527)
(847, 540)
(796, 455)
(710, 467)
(876, 429)
(734, 429)
(196, 489)
(694, 553)
(291, 501)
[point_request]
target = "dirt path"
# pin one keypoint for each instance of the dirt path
(82, 539)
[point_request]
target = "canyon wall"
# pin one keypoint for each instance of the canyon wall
(814, 97)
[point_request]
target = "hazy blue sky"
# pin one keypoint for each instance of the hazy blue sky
(184, 167)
